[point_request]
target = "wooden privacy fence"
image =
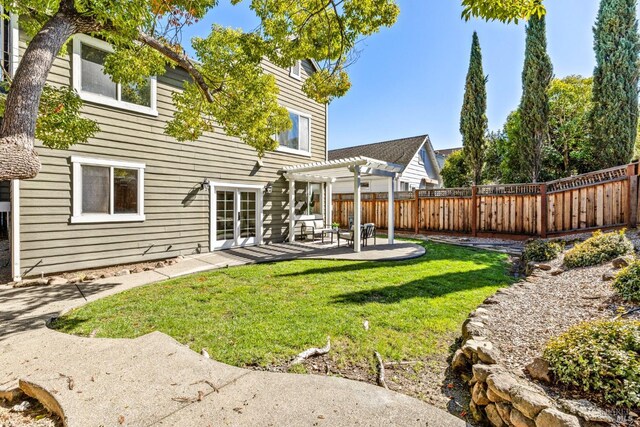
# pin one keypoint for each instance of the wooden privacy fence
(601, 199)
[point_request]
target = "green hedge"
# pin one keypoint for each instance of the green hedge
(627, 282)
(599, 357)
(542, 250)
(599, 248)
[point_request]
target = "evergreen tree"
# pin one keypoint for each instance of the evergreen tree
(473, 118)
(534, 106)
(614, 117)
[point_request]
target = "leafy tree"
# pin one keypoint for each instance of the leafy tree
(513, 167)
(503, 10)
(534, 105)
(228, 86)
(614, 117)
(569, 106)
(455, 172)
(473, 118)
(494, 155)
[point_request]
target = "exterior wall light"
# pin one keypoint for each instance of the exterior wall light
(268, 189)
(205, 184)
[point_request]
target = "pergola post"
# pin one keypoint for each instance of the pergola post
(292, 210)
(357, 211)
(391, 211)
(329, 206)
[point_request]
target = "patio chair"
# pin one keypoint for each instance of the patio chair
(312, 228)
(367, 231)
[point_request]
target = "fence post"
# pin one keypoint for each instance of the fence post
(474, 210)
(416, 210)
(632, 212)
(543, 211)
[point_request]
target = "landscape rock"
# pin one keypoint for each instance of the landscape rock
(552, 417)
(539, 370)
(472, 327)
(74, 279)
(502, 384)
(136, 270)
(586, 410)
(107, 275)
(518, 419)
(529, 402)
(479, 394)
(459, 362)
(11, 394)
(488, 354)
(608, 276)
(58, 281)
(481, 372)
(495, 398)
(124, 272)
(494, 417)
(160, 264)
(557, 272)
(621, 262)
(90, 278)
(504, 409)
(470, 348)
(479, 312)
(544, 267)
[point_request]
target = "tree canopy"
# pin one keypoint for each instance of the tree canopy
(502, 10)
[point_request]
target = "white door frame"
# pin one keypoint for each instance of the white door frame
(214, 187)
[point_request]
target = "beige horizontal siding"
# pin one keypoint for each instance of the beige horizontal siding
(175, 223)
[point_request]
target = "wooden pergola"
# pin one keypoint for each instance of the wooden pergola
(328, 172)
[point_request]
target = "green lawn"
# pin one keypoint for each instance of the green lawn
(266, 314)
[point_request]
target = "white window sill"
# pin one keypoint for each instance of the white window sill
(98, 218)
(293, 151)
(110, 102)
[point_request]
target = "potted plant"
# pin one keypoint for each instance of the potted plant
(335, 226)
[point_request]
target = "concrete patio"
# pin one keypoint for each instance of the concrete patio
(154, 380)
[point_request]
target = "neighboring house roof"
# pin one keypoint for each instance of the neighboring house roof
(398, 151)
(448, 151)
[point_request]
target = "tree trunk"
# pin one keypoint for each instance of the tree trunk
(18, 159)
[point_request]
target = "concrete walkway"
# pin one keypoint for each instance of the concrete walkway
(154, 380)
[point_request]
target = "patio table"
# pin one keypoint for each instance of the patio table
(331, 231)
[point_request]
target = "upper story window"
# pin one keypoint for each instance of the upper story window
(296, 140)
(94, 85)
(296, 70)
(107, 190)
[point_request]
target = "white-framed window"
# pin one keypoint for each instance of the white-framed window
(309, 198)
(93, 85)
(296, 140)
(296, 70)
(107, 190)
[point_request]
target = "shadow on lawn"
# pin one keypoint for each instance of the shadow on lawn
(435, 252)
(430, 287)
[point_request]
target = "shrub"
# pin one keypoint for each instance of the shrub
(599, 248)
(542, 250)
(627, 282)
(601, 357)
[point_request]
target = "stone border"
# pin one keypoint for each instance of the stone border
(499, 397)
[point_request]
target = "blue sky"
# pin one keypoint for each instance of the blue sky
(409, 79)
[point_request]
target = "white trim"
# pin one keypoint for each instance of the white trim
(80, 39)
(80, 218)
(326, 131)
(292, 211)
(214, 187)
(93, 161)
(294, 75)
(391, 211)
(14, 56)
(15, 231)
(298, 151)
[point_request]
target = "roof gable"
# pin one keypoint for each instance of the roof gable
(398, 151)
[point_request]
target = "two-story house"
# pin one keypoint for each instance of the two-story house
(134, 194)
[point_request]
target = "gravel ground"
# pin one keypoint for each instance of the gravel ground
(542, 306)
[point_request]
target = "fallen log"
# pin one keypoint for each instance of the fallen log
(312, 352)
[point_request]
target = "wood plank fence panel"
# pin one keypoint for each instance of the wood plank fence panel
(608, 198)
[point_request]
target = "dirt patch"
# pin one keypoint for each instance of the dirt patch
(35, 416)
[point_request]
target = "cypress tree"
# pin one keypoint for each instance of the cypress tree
(534, 105)
(473, 118)
(614, 117)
